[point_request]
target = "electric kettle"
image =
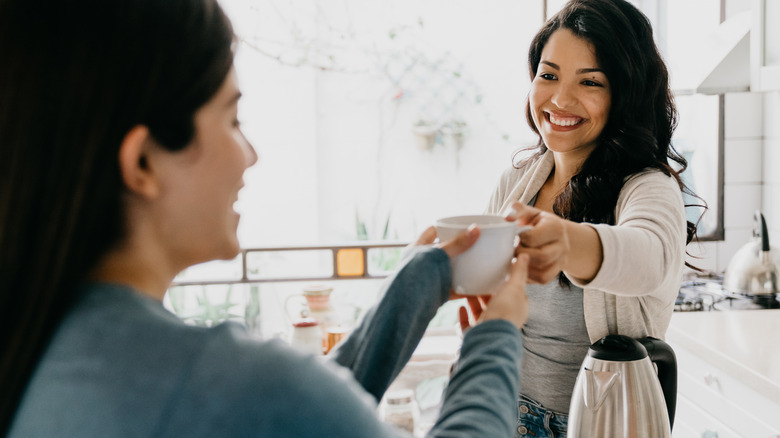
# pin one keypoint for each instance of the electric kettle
(619, 394)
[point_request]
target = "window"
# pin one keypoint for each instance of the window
(373, 119)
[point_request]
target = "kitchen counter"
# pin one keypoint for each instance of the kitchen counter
(742, 343)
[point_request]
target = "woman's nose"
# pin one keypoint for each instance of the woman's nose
(563, 96)
(250, 153)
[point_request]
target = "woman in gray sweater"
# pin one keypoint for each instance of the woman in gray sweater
(122, 157)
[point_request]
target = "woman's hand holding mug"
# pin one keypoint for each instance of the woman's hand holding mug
(554, 244)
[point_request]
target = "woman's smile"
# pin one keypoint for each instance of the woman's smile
(561, 122)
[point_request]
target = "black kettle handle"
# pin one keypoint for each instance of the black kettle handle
(663, 356)
(764, 235)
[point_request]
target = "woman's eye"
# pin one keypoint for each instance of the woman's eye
(547, 76)
(591, 84)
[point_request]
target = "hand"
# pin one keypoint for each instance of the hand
(547, 243)
(509, 303)
(458, 245)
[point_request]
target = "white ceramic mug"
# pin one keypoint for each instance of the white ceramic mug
(484, 267)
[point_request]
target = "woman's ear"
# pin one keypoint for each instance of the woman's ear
(134, 165)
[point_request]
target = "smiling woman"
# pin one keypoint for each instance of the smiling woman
(609, 229)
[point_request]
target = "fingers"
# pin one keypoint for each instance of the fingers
(427, 237)
(547, 228)
(523, 214)
(546, 244)
(463, 318)
(519, 273)
(476, 303)
(461, 242)
(476, 306)
(544, 263)
(481, 299)
(544, 273)
(511, 302)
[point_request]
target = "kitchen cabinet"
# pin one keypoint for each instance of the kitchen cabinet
(728, 373)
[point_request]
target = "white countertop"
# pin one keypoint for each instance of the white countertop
(743, 343)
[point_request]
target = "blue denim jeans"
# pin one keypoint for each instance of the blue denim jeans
(534, 421)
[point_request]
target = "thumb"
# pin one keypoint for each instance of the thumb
(522, 213)
(463, 241)
(427, 237)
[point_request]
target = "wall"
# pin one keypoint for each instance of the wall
(748, 179)
(771, 164)
(752, 181)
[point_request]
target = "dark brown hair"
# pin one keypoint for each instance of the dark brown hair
(76, 77)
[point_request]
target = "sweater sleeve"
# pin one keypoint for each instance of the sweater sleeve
(239, 386)
(644, 253)
(382, 344)
(480, 400)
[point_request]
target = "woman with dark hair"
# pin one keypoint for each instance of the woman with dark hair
(122, 158)
(608, 244)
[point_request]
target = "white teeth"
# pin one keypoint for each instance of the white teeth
(564, 122)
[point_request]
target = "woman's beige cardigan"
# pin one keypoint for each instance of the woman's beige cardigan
(634, 291)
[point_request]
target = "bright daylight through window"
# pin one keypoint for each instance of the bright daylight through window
(373, 119)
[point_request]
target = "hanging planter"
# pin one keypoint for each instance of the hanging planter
(425, 134)
(456, 129)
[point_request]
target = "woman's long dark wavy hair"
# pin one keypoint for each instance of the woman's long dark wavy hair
(76, 77)
(642, 117)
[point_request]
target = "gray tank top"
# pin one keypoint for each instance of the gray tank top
(555, 341)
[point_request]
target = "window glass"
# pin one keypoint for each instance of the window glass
(697, 139)
(373, 119)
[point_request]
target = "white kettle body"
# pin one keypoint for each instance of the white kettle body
(619, 394)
